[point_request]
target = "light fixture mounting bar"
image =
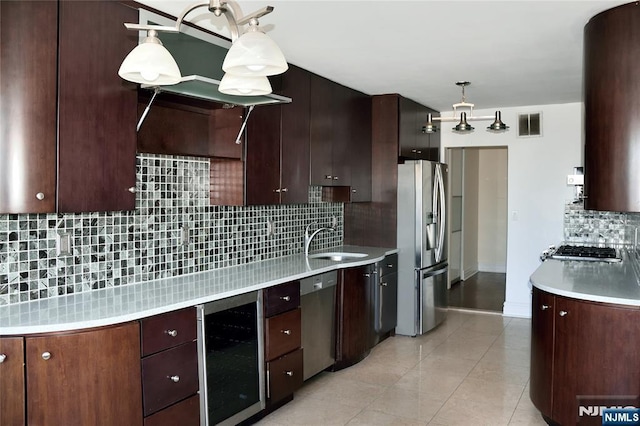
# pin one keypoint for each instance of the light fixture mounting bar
(255, 15)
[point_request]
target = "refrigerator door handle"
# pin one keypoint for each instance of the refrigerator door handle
(434, 272)
(441, 211)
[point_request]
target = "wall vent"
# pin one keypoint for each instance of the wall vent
(530, 125)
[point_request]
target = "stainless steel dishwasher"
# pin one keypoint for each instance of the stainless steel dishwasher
(318, 301)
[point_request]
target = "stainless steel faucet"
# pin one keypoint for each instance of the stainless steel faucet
(308, 239)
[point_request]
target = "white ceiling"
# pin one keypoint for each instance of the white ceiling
(513, 52)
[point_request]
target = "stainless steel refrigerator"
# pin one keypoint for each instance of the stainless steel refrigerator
(422, 244)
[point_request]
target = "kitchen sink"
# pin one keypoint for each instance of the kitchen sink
(337, 256)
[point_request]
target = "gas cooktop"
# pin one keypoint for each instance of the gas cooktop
(585, 253)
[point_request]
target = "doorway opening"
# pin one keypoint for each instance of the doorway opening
(478, 228)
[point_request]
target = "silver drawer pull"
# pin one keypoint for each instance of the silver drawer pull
(2, 358)
(172, 333)
(40, 196)
(277, 191)
(46, 356)
(132, 189)
(287, 332)
(545, 307)
(285, 298)
(175, 379)
(289, 373)
(383, 284)
(563, 313)
(390, 265)
(285, 190)
(335, 178)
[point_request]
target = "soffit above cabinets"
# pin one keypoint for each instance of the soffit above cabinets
(199, 56)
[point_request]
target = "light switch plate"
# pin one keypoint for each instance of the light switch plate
(63, 243)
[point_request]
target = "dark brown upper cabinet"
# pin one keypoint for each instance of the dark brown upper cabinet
(277, 145)
(340, 138)
(67, 120)
(612, 111)
(181, 126)
(406, 128)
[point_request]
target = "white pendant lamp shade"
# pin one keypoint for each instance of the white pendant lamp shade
(244, 86)
(150, 63)
(254, 54)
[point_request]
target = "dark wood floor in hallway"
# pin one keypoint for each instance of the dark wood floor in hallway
(484, 291)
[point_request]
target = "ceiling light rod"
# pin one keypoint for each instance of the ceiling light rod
(463, 104)
(231, 11)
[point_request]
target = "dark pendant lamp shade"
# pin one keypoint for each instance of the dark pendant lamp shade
(463, 126)
(498, 126)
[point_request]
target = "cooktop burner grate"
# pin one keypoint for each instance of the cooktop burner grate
(589, 253)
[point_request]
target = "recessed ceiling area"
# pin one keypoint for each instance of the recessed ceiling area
(513, 52)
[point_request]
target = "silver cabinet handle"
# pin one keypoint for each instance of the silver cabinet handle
(383, 284)
(328, 177)
(46, 356)
(563, 313)
(285, 298)
(354, 190)
(40, 196)
(2, 358)
(175, 379)
(389, 265)
(132, 189)
(335, 178)
(172, 333)
(289, 373)
(545, 307)
(285, 190)
(277, 191)
(287, 332)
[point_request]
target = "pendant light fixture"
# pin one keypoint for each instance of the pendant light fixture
(150, 63)
(463, 126)
(465, 116)
(252, 54)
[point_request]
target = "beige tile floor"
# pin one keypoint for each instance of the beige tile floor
(471, 370)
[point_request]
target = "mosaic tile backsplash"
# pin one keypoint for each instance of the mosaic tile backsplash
(119, 248)
(590, 226)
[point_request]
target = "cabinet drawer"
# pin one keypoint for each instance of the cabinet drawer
(165, 331)
(169, 376)
(389, 265)
(282, 334)
(281, 298)
(184, 413)
(284, 375)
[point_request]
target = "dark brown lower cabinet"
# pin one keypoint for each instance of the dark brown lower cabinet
(354, 334)
(184, 413)
(284, 375)
(583, 354)
(12, 404)
(85, 378)
(282, 335)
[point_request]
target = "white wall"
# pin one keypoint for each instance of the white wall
(470, 214)
(492, 209)
(537, 189)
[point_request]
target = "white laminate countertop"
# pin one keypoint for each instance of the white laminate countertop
(594, 281)
(134, 301)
